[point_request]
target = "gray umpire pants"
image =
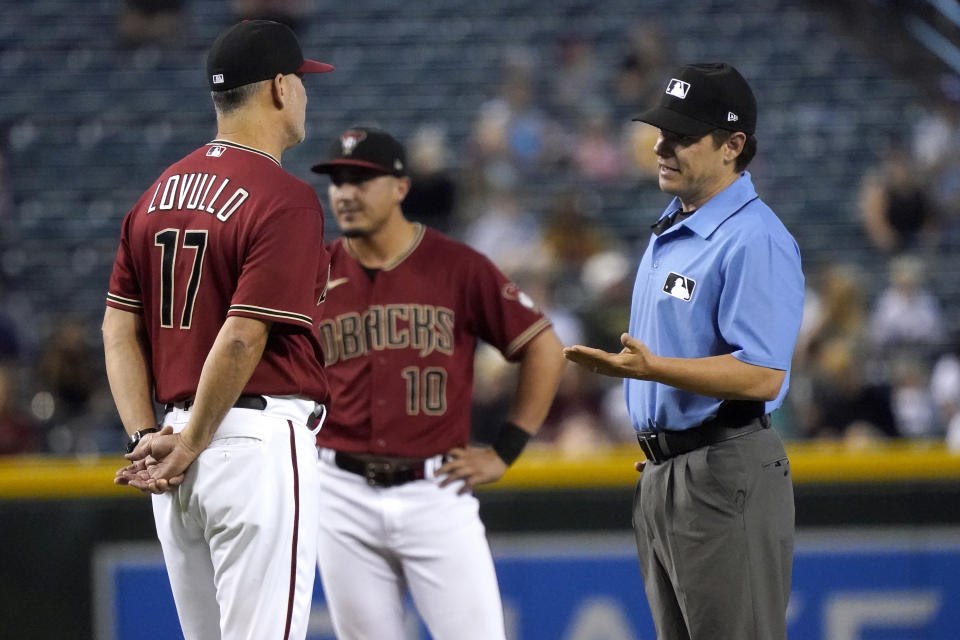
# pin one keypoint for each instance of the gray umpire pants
(714, 531)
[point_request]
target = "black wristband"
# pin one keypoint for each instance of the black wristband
(510, 442)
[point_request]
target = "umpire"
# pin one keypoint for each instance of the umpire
(714, 319)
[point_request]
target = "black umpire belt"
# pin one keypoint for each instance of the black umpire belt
(381, 471)
(243, 402)
(659, 446)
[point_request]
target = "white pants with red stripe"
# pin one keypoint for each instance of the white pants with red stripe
(239, 534)
(375, 543)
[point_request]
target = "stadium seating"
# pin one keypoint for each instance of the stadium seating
(89, 123)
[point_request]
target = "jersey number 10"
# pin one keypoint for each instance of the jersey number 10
(426, 390)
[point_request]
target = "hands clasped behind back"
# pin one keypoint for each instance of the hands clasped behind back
(158, 463)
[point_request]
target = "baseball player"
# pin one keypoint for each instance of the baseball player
(405, 309)
(204, 315)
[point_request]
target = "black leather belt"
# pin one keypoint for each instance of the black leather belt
(659, 446)
(243, 402)
(381, 471)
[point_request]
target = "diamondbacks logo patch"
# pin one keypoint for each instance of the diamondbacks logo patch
(679, 286)
(350, 140)
(512, 292)
(678, 88)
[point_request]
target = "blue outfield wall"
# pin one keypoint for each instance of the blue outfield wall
(868, 584)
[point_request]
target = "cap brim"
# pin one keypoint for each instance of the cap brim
(674, 122)
(312, 66)
(325, 167)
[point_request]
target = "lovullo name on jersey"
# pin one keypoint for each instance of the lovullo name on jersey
(189, 191)
(424, 328)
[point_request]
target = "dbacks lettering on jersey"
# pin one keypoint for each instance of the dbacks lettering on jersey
(424, 328)
(189, 191)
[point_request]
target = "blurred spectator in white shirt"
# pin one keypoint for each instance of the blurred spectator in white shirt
(945, 389)
(914, 409)
(906, 314)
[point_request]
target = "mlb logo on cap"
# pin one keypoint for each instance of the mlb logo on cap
(678, 88)
(723, 100)
(256, 50)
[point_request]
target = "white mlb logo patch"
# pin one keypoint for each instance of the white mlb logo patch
(679, 286)
(215, 151)
(218, 78)
(678, 88)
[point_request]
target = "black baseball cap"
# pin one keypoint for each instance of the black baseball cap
(702, 97)
(368, 148)
(255, 50)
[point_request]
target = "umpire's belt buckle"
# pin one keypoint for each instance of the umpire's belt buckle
(379, 473)
(650, 445)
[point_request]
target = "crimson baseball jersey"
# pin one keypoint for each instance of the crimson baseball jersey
(399, 345)
(226, 232)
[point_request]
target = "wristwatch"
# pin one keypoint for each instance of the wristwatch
(135, 438)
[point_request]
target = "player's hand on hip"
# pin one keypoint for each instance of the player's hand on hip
(473, 465)
(633, 361)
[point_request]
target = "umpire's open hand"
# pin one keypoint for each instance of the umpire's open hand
(634, 361)
(473, 465)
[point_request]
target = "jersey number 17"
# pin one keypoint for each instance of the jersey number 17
(168, 241)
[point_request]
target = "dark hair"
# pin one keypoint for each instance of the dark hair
(749, 147)
(226, 101)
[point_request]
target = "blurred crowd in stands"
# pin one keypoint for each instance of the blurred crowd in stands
(874, 360)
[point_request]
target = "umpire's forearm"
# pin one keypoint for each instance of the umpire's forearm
(127, 360)
(540, 371)
(226, 371)
(723, 377)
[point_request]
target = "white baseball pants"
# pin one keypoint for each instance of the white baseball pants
(376, 542)
(238, 535)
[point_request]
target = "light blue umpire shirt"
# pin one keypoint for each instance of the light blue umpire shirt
(725, 280)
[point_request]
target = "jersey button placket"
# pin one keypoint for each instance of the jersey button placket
(379, 369)
(655, 256)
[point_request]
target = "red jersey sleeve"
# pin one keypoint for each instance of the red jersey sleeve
(283, 251)
(124, 292)
(499, 312)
